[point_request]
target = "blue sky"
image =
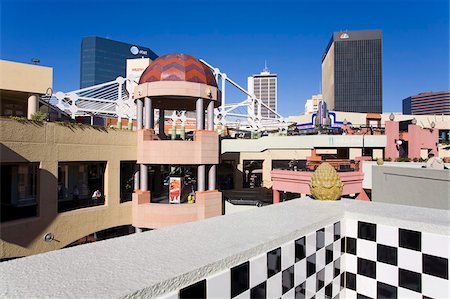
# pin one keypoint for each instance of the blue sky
(237, 36)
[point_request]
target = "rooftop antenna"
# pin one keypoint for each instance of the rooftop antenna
(265, 67)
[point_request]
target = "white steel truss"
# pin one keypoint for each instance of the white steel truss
(115, 99)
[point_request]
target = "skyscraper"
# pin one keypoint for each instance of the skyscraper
(264, 87)
(103, 60)
(351, 72)
(437, 103)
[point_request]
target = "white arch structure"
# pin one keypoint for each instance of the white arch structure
(115, 99)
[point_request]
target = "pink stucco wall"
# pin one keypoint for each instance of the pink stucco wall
(392, 132)
(419, 138)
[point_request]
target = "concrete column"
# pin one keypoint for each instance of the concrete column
(200, 114)
(139, 112)
(212, 177)
(201, 178)
(161, 123)
(148, 113)
(136, 177)
(276, 196)
(144, 177)
(33, 105)
(211, 116)
(212, 168)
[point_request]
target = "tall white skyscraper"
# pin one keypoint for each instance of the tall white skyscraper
(264, 87)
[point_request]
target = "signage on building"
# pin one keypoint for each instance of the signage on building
(135, 68)
(175, 190)
(344, 36)
(135, 51)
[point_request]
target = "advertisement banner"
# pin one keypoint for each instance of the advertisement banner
(175, 185)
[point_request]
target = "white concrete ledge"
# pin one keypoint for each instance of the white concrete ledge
(156, 262)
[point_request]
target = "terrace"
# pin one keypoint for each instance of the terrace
(301, 248)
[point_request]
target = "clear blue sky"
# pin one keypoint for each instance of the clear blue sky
(237, 36)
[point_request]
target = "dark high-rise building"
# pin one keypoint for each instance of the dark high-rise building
(437, 103)
(103, 60)
(351, 72)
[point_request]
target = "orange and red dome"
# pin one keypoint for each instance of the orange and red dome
(178, 67)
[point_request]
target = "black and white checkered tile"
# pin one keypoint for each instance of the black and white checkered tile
(348, 259)
(309, 267)
(388, 262)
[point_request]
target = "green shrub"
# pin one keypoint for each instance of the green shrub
(39, 116)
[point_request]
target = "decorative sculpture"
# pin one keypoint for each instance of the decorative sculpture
(326, 183)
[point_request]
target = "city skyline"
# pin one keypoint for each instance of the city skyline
(415, 51)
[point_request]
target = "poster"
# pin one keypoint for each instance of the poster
(175, 190)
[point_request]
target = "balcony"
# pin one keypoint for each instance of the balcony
(204, 149)
(301, 247)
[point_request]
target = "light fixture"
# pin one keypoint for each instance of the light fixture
(391, 116)
(49, 237)
(414, 121)
(399, 142)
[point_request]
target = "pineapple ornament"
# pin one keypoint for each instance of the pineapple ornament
(326, 183)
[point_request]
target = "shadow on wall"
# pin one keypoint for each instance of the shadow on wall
(23, 231)
(25, 234)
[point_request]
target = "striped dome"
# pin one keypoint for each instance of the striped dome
(178, 67)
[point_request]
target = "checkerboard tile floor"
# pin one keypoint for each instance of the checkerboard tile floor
(347, 259)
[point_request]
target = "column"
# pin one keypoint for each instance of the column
(276, 196)
(33, 105)
(212, 168)
(201, 178)
(200, 114)
(212, 177)
(139, 107)
(142, 167)
(136, 177)
(149, 121)
(143, 177)
(201, 172)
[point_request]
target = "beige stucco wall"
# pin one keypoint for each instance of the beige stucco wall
(49, 144)
(25, 77)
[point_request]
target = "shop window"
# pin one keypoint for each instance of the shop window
(18, 191)
(80, 185)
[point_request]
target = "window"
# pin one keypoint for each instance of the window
(18, 191)
(77, 182)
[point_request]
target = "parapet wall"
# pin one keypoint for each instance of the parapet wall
(301, 246)
(429, 188)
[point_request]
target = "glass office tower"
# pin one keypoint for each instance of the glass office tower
(351, 72)
(103, 60)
